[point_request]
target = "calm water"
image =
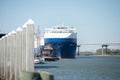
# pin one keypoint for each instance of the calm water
(84, 68)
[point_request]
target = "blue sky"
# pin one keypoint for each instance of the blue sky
(96, 21)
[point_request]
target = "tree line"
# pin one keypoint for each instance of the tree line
(108, 51)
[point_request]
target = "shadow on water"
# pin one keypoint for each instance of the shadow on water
(45, 67)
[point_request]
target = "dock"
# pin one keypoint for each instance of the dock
(51, 58)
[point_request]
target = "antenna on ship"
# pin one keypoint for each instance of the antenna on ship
(38, 41)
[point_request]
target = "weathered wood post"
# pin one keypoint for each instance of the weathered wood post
(15, 56)
(19, 50)
(30, 46)
(0, 58)
(2, 69)
(5, 56)
(12, 55)
(8, 58)
(24, 47)
(11, 46)
(9, 65)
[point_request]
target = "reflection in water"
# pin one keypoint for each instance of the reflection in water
(45, 67)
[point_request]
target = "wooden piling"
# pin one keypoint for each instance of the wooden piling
(17, 55)
(30, 46)
(0, 59)
(19, 50)
(24, 47)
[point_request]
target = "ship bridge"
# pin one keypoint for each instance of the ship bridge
(60, 29)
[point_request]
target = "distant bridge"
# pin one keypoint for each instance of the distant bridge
(103, 45)
(118, 43)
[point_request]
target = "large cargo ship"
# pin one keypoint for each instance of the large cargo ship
(62, 41)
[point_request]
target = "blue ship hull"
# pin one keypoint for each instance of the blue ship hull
(63, 47)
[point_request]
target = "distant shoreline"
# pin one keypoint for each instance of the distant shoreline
(104, 55)
(99, 55)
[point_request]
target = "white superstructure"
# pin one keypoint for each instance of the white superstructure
(60, 32)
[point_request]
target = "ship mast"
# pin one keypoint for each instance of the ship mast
(38, 41)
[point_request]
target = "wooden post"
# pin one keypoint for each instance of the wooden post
(0, 59)
(12, 49)
(19, 50)
(15, 57)
(24, 47)
(5, 74)
(8, 58)
(10, 61)
(3, 54)
(30, 46)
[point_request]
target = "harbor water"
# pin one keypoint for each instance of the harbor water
(84, 68)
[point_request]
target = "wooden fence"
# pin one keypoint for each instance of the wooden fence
(17, 52)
